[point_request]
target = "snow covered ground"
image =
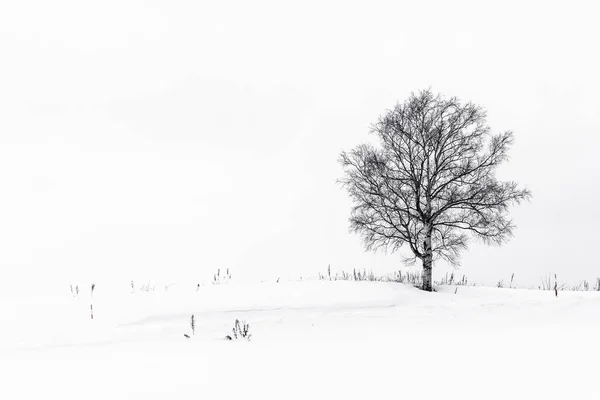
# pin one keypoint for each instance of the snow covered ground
(311, 339)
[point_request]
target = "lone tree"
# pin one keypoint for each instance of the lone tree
(432, 181)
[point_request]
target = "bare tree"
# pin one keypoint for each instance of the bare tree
(432, 181)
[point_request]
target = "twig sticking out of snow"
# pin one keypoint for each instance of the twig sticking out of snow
(241, 330)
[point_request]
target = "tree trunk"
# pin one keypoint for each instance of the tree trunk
(427, 274)
(428, 261)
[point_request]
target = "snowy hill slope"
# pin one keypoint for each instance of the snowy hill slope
(310, 340)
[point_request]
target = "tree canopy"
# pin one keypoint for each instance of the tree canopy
(431, 183)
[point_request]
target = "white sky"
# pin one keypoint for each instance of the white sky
(165, 139)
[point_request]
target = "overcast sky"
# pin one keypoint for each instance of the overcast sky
(165, 139)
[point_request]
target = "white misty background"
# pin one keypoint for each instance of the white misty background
(159, 140)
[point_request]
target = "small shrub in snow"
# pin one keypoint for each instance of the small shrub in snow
(168, 286)
(547, 284)
(218, 278)
(193, 324)
(446, 280)
(412, 278)
(147, 287)
(358, 275)
(597, 284)
(580, 287)
(241, 330)
(500, 284)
